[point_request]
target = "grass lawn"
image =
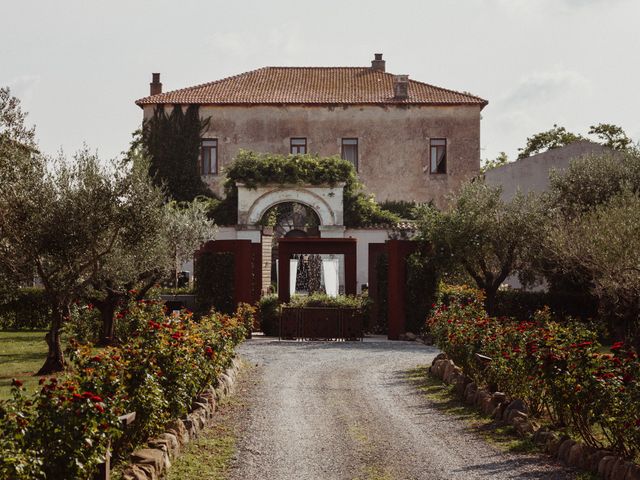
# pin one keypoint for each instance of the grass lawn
(21, 355)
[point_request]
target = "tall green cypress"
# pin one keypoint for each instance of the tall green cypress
(173, 145)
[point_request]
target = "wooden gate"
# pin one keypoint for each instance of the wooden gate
(321, 323)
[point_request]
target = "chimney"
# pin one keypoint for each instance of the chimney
(378, 64)
(401, 87)
(155, 85)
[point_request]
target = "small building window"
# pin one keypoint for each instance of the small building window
(350, 151)
(438, 155)
(209, 156)
(298, 146)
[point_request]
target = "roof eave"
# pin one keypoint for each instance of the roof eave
(141, 103)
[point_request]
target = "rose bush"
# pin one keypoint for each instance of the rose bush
(556, 368)
(65, 429)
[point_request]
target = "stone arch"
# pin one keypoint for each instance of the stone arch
(274, 197)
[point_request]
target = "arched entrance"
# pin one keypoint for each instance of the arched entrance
(325, 201)
(291, 220)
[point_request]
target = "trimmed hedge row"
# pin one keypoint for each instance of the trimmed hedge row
(523, 304)
(556, 368)
(63, 431)
(29, 310)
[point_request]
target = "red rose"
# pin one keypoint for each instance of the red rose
(99, 408)
(16, 383)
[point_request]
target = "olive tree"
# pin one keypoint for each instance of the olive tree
(605, 243)
(65, 219)
(483, 235)
(140, 256)
(17, 154)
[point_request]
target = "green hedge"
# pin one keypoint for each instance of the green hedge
(422, 290)
(381, 323)
(29, 310)
(324, 300)
(522, 305)
(269, 314)
(214, 280)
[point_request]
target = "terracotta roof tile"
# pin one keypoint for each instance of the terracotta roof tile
(310, 85)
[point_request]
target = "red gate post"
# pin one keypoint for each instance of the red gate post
(398, 251)
(244, 255)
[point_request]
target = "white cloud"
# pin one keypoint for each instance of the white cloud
(544, 87)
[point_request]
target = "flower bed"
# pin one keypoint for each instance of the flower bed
(64, 430)
(556, 368)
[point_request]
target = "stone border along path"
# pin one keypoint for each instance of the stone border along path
(347, 410)
(152, 463)
(515, 413)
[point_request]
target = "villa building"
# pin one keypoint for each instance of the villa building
(408, 140)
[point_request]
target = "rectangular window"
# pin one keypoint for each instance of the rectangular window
(209, 156)
(350, 151)
(438, 155)
(298, 145)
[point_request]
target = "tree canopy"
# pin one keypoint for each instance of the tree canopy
(482, 234)
(553, 138)
(606, 134)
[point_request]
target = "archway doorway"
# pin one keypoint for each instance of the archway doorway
(291, 220)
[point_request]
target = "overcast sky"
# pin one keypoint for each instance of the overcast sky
(78, 66)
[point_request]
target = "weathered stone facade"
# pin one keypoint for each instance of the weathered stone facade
(393, 141)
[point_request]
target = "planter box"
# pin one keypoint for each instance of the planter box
(321, 323)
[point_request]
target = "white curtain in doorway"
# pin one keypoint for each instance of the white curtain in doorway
(293, 275)
(331, 278)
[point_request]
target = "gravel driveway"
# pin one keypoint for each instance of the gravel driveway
(321, 410)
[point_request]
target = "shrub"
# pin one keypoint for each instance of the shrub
(72, 428)
(19, 458)
(84, 324)
(28, 310)
(64, 430)
(381, 323)
(247, 315)
(523, 304)
(421, 291)
(554, 367)
(269, 314)
(402, 208)
(324, 300)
